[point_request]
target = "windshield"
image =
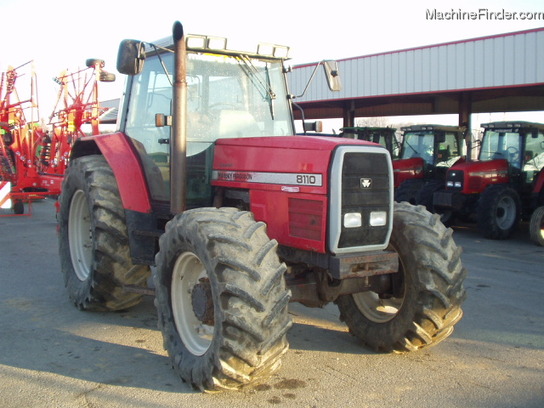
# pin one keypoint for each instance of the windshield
(418, 144)
(422, 144)
(501, 145)
(236, 97)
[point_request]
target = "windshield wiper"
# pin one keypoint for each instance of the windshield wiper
(262, 85)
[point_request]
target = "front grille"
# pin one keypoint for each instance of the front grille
(365, 186)
(453, 177)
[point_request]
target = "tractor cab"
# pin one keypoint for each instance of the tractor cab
(427, 151)
(384, 136)
(521, 145)
(229, 95)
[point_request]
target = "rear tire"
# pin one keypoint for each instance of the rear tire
(221, 299)
(499, 211)
(93, 239)
(536, 226)
(430, 294)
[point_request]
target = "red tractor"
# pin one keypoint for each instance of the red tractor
(384, 136)
(206, 181)
(427, 152)
(505, 184)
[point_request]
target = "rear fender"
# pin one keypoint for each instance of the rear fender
(124, 160)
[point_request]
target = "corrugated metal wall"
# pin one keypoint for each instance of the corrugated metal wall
(492, 62)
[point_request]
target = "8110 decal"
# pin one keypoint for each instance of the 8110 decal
(300, 179)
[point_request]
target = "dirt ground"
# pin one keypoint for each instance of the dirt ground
(52, 355)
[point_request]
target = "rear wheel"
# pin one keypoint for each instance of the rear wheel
(221, 299)
(427, 291)
(536, 226)
(93, 239)
(498, 212)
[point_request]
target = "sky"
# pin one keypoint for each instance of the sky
(58, 35)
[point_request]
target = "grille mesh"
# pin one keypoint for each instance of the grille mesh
(359, 169)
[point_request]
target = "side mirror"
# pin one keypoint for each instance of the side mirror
(106, 77)
(333, 75)
(316, 126)
(131, 57)
(98, 64)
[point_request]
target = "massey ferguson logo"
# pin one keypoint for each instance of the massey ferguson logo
(366, 183)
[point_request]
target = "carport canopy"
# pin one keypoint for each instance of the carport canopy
(500, 73)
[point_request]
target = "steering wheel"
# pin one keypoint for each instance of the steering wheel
(513, 152)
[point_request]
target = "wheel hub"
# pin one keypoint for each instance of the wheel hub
(202, 302)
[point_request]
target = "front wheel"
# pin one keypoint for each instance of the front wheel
(498, 211)
(424, 303)
(536, 226)
(221, 298)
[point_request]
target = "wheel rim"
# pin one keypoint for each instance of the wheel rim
(376, 309)
(506, 212)
(80, 236)
(188, 272)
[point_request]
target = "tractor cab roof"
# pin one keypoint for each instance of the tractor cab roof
(513, 125)
(218, 45)
(418, 128)
(368, 129)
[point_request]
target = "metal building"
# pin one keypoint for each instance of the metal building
(497, 73)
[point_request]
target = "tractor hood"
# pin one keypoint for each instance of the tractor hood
(278, 162)
(499, 165)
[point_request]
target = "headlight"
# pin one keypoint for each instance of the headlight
(353, 220)
(378, 218)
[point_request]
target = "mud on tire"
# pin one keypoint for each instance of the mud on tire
(93, 239)
(221, 299)
(430, 288)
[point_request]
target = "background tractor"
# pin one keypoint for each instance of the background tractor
(384, 136)
(505, 184)
(427, 151)
(206, 183)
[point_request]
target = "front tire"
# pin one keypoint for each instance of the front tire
(221, 299)
(536, 226)
(93, 239)
(426, 305)
(499, 211)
